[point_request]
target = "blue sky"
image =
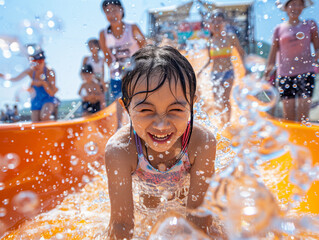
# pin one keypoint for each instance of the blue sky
(83, 19)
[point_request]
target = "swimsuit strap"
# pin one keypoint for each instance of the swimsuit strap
(138, 143)
(45, 73)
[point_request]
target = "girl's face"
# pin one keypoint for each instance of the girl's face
(93, 48)
(87, 77)
(37, 64)
(162, 118)
(113, 13)
(294, 8)
(217, 25)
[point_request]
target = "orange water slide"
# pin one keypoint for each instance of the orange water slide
(50, 159)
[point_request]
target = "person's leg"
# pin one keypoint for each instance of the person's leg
(303, 108)
(227, 85)
(289, 109)
(35, 115)
(46, 111)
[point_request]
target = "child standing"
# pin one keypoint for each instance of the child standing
(119, 41)
(220, 50)
(97, 63)
(292, 43)
(163, 157)
(90, 92)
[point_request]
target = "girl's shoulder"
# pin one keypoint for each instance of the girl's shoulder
(201, 136)
(121, 145)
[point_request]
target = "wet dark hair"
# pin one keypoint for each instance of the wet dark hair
(170, 65)
(303, 1)
(93, 41)
(38, 55)
(105, 3)
(87, 68)
(218, 13)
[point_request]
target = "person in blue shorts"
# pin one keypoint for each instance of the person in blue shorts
(43, 101)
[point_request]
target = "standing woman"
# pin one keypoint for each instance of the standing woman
(119, 41)
(292, 46)
(43, 103)
(220, 47)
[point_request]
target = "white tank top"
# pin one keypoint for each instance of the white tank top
(97, 66)
(123, 48)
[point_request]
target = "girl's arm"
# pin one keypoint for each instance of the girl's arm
(106, 52)
(119, 176)
(138, 36)
(202, 170)
(49, 85)
(25, 73)
(315, 39)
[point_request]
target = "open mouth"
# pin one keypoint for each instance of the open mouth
(160, 138)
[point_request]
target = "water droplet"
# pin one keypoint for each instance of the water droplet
(2, 186)
(116, 172)
(317, 134)
(259, 44)
(74, 160)
(91, 148)
(223, 33)
(300, 35)
(26, 202)
(11, 160)
(3, 212)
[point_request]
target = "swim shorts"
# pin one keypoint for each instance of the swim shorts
(299, 86)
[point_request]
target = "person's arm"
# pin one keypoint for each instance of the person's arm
(206, 65)
(85, 59)
(138, 36)
(315, 39)
(49, 85)
(272, 55)
(19, 77)
(119, 171)
(236, 44)
(202, 169)
(106, 51)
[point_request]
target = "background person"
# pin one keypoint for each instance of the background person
(43, 102)
(222, 75)
(97, 63)
(291, 52)
(90, 92)
(119, 41)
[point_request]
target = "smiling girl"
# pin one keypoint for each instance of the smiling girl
(163, 156)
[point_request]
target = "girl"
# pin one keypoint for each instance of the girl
(292, 43)
(97, 64)
(220, 48)
(163, 157)
(43, 103)
(118, 42)
(90, 92)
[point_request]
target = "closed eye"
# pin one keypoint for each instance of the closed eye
(145, 110)
(176, 110)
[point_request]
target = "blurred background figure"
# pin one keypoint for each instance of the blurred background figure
(97, 63)
(90, 91)
(43, 103)
(220, 50)
(291, 54)
(119, 41)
